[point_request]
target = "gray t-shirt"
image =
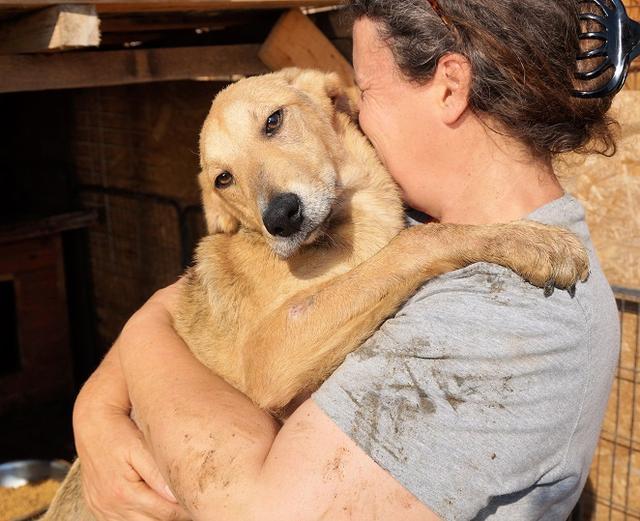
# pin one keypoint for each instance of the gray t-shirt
(482, 397)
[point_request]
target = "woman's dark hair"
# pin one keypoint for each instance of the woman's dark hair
(523, 59)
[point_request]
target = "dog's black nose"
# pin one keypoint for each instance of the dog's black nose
(283, 217)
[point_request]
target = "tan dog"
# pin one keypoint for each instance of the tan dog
(307, 254)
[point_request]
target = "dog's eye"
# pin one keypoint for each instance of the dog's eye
(223, 180)
(273, 123)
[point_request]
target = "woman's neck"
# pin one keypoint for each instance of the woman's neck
(489, 178)
(501, 192)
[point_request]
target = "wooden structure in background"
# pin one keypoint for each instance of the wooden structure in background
(101, 68)
(56, 28)
(129, 25)
(149, 6)
(31, 267)
(112, 129)
(609, 188)
(132, 148)
(296, 41)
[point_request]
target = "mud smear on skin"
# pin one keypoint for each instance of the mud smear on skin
(335, 467)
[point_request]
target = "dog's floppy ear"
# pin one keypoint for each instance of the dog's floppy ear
(324, 85)
(343, 96)
(218, 219)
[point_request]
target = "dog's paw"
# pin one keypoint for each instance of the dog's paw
(546, 256)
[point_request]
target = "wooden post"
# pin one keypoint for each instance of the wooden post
(53, 29)
(296, 41)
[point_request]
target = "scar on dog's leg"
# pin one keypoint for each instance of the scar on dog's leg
(297, 310)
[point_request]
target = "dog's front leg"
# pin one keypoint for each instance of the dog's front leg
(298, 345)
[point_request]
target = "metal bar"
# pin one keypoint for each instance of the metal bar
(628, 294)
(617, 418)
(182, 211)
(633, 408)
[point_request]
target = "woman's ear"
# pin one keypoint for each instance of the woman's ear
(218, 219)
(453, 77)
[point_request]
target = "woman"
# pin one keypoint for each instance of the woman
(481, 398)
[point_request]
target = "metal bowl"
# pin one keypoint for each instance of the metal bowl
(18, 473)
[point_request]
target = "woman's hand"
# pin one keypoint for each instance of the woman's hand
(120, 478)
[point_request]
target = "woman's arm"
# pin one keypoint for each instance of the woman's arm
(227, 459)
(120, 477)
(190, 417)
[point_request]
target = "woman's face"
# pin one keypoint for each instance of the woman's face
(396, 115)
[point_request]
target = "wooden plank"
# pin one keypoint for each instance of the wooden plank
(211, 20)
(188, 27)
(296, 41)
(197, 5)
(15, 257)
(20, 231)
(92, 69)
(53, 29)
(129, 6)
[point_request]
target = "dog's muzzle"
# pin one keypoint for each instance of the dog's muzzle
(283, 217)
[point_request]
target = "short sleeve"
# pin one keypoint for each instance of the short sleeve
(470, 394)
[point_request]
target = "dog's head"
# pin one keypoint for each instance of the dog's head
(270, 156)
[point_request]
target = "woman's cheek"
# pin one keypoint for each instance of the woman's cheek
(362, 118)
(384, 148)
(367, 124)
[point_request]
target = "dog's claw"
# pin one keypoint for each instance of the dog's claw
(572, 290)
(549, 288)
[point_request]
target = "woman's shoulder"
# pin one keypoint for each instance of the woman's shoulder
(494, 295)
(488, 373)
(489, 301)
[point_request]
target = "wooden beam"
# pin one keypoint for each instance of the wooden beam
(296, 41)
(130, 6)
(22, 230)
(151, 22)
(92, 69)
(53, 29)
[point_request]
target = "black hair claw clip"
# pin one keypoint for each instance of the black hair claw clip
(620, 37)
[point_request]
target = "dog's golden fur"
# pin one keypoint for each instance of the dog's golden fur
(274, 316)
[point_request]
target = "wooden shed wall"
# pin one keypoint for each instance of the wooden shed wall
(135, 153)
(610, 191)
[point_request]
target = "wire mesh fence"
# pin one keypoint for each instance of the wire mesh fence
(142, 243)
